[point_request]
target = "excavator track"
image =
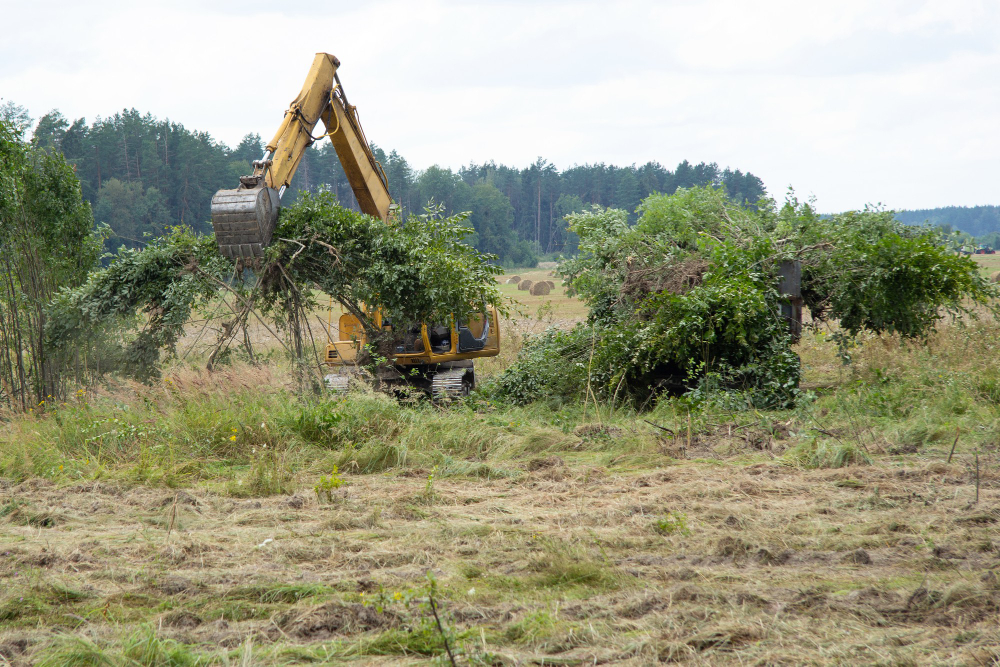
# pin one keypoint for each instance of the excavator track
(450, 385)
(337, 383)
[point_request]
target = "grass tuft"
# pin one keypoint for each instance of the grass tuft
(826, 454)
(140, 648)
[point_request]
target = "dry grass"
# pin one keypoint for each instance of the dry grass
(563, 309)
(987, 263)
(880, 564)
(554, 539)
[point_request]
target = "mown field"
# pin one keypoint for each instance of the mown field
(988, 264)
(179, 523)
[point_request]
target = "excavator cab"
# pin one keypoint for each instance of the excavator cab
(435, 358)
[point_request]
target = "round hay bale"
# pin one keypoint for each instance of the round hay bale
(524, 285)
(551, 284)
(540, 288)
(513, 280)
(995, 277)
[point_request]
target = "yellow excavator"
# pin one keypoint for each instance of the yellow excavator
(437, 359)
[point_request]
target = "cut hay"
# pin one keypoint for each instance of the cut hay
(513, 280)
(524, 285)
(540, 288)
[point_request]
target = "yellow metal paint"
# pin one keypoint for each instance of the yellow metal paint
(345, 350)
(322, 98)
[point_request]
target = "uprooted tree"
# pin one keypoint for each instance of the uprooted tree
(688, 299)
(417, 272)
(420, 271)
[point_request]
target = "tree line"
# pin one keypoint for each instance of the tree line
(980, 222)
(142, 175)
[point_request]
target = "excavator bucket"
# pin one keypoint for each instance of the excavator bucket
(244, 220)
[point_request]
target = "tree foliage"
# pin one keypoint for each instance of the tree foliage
(413, 272)
(688, 298)
(47, 240)
(132, 212)
(126, 313)
(418, 271)
(869, 271)
(517, 213)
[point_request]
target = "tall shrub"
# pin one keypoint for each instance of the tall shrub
(47, 241)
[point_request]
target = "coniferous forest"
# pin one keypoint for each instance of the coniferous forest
(142, 175)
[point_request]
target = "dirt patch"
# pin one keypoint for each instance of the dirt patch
(733, 547)
(13, 648)
(336, 619)
(858, 557)
(545, 463)
(182, 620)
(640, 608)
(729, 638)
(767, 557)
(174, 585)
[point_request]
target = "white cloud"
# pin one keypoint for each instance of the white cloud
(853, 101)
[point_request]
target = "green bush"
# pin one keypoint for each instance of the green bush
(688, 299)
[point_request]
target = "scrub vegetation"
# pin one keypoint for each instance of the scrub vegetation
(688, 300)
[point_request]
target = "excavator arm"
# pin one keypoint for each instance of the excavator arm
(244, 218)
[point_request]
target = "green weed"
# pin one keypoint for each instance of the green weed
(279, 592)
(327, 485)
(270, 474)
(532, 628)
(563, 564)
(671, 523)
(429, 494)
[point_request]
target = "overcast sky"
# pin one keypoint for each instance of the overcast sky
(852, 102)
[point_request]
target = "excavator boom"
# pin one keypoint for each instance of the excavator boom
(435, 358)
(244, 218)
